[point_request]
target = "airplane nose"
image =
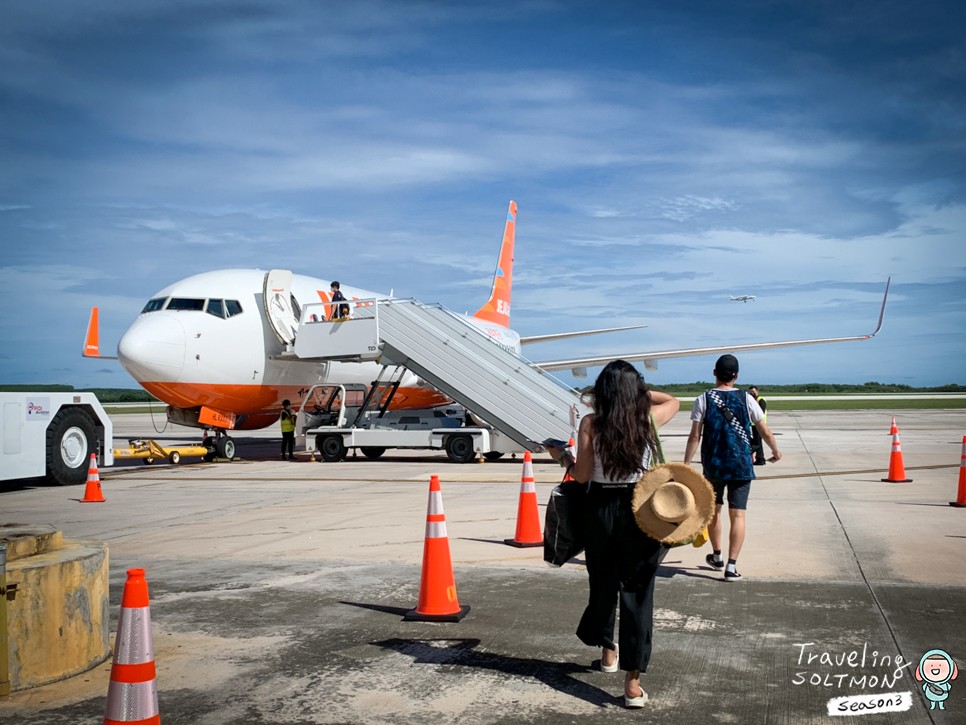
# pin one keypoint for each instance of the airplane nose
(153, 348)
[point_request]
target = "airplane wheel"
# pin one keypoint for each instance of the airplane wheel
(459, 448)
(174, 458)
(70, 442)
(372, 452)
(209, 443)
(332, 448)
(493, 455)
(225, 447)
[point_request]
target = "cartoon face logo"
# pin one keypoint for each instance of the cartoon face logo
(936, 671)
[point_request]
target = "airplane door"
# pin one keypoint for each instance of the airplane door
(277, 298)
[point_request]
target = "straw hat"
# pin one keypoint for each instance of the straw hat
(672, 502)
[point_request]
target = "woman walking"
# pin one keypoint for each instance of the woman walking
(616, 445)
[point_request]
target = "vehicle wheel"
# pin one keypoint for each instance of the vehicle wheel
(372, 452)
(174, 458)
(332, 448)
(493, 455)
(459, 448)
(70, 442)
(225, 447)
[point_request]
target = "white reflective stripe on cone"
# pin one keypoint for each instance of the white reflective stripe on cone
(435, 529)
(528, 487)
(435, 503)
(132, 645)
(132, 701)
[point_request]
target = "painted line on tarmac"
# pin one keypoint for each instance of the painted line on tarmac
(852, 473)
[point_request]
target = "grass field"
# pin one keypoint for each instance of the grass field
(824, 403)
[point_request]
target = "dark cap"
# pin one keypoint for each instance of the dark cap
(726, 368)
(286, 402)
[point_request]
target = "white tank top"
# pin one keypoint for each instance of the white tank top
(597, 474)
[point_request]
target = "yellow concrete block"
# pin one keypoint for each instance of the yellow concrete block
(58, 624)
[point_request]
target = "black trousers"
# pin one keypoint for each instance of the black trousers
(622, 564)
(288, 444)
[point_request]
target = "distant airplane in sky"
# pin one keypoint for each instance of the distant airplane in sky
(742, 298)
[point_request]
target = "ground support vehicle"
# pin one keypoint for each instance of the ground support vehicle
(335, 419)
(53, 435)
(150, 451)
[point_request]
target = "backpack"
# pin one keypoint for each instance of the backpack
(726, 437)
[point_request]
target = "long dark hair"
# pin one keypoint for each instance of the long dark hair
(622, 421)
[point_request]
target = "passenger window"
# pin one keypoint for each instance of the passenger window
(186, 303)
(233, 307)
(154, 305)
(216, 308)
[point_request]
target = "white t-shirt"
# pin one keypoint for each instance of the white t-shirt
(699, 408)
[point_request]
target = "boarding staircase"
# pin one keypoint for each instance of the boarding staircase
(455, 357)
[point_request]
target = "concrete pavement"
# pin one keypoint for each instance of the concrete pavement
(278, 589)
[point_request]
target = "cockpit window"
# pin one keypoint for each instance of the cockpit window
(186, 303)
(233, 307)
(216, 308)
(154, 305)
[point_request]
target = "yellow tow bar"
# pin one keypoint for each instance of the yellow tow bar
(150, 451)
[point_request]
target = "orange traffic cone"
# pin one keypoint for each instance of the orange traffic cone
(437, 586)
(960, 501)
(897, 471)
(894, 429)
(132, 696)
(93, 493)
(528, 517)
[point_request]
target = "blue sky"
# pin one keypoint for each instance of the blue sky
(663, 155)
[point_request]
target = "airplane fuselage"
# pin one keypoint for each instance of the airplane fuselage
(207, 341)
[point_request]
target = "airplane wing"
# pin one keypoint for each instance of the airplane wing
(92, 342)
(563, 335)
(580, 364)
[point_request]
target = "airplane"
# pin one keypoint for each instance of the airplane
(216, 346)
(742, 298)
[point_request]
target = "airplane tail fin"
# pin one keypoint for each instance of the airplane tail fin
(497, 308)
(92, 342)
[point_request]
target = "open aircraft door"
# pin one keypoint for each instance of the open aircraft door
(277, 298)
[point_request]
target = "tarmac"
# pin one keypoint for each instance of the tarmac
(278, 589)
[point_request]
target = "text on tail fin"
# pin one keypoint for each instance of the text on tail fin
(92, 343)
(497, 308)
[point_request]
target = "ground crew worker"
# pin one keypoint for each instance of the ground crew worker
(286, 420)
(757, 447)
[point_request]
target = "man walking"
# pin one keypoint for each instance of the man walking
(723, 417)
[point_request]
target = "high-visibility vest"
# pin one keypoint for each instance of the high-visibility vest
(287, 421)
(764, 417)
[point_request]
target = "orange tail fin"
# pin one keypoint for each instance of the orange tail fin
(497, 308)
(92, 343)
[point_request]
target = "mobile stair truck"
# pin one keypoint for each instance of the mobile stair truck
(522, 405)
(53, 435)
(334, 419)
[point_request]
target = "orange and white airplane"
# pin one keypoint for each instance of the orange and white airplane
(216, 347)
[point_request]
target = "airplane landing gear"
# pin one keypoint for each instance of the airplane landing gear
(221, 446)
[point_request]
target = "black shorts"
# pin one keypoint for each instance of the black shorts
(737, 493)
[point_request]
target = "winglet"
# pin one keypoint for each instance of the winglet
(497, 308)
(92, 343)
(882, 310)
